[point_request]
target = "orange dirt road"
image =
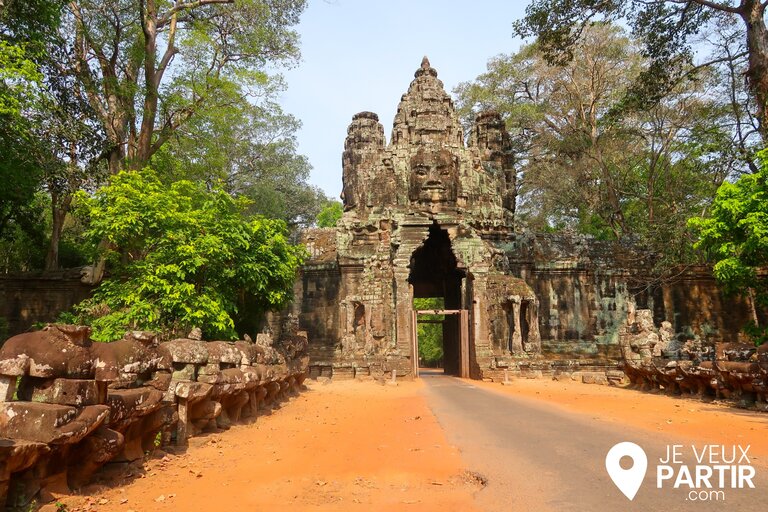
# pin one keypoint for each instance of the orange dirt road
(362, 446)
(344, 446)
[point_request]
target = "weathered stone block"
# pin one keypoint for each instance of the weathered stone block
(160, 380)
(132, 403)
(192, 390)
(7, 387)
(56, 351)
(183, 371)
(212, 368)
(594, 378)
(49, 423)
(186, 351)
(15, 366)
(224, 352)
(75, 392)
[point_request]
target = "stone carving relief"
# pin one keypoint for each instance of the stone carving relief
(434, 177)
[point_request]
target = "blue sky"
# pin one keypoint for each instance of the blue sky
(361, 55)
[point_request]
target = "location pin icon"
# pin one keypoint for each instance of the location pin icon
(627, 480)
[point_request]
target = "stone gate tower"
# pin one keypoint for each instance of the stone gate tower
(429, 215)
(420, 218)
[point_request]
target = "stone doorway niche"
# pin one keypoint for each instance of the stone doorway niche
(434, 273)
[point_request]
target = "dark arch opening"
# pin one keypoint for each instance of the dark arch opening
(435, 274)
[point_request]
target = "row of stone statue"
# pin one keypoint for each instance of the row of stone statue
(70, 405)
(654, 360)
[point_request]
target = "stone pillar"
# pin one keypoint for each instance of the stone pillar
(182, 426)
(534, 337)
(403, 308)
(481, 335)
(517, 338)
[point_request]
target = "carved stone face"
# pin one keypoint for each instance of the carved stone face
(434, 177)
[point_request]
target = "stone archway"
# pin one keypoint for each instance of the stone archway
(434, 273)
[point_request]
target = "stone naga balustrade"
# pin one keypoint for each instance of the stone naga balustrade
(69, 405)
(653, 361)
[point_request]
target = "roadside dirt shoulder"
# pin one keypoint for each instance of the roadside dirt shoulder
(343, 446)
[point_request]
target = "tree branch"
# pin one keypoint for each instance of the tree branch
(179, 7)
(715, 5)
(170, 51)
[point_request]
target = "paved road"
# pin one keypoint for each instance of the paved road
(537, 457)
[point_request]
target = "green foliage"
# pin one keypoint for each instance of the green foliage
(665, 28)
(85, 91)
(181, 256)
(19, 86)
(19, 79)
(430, 335)
(757, 334)
(735, 234)
(175, 59)
(49, 136)
(589, 164)
(330, 214)
(251, 149)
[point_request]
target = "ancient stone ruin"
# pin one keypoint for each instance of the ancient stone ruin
(69, 405)
(655, 360)
(431, 213)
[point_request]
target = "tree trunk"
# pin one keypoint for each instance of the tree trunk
(149, 113)
(114, 160)
(757, 74)
(58, 215)
(753, 307)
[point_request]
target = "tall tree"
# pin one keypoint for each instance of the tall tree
(63, 141)
(148, 66)
(113, 81)
(25, 29)
(669, 30)
(249, 146)
(589, 164)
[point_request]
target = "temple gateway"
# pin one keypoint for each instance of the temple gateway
(432, 214)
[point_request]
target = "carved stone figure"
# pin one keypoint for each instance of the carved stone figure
(434, 177)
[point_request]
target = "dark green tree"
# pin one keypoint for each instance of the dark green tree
(735, 235)
(181, 256)
(26, 28)
(250, 147)
(330, 214)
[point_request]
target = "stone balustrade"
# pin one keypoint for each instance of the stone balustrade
(654, 361)
(69, 405)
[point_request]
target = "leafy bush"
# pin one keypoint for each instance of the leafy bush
(181, 256)
(736, 236)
